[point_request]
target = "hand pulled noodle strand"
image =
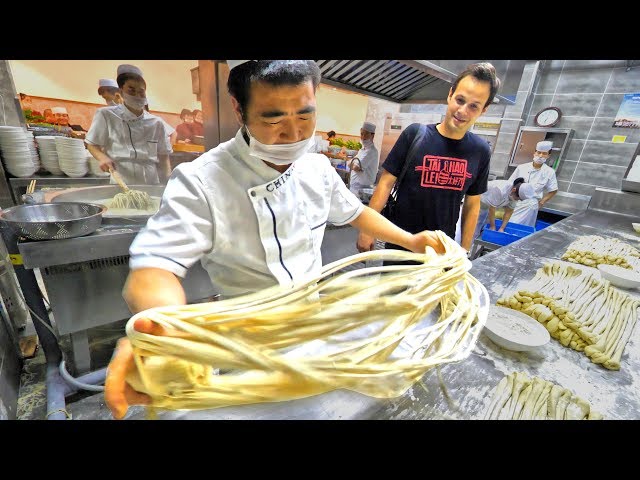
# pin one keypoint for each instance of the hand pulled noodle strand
(136, 199)
(367, 330)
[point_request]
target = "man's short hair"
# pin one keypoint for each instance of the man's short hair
(272, 72)
(185, 112)
(123, 77)
(483, 72)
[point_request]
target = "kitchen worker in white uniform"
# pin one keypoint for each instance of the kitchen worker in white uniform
(109, 90)
(502, 194)
(364, 165)
(129, 139)
(253, 210)
(499, 194)
(543, 180)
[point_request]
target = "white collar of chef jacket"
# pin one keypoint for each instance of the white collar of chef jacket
(258, 166)
(128, 116)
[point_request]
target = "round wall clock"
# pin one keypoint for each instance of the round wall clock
(548, 117)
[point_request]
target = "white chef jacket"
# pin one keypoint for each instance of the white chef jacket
(542, 180)
(132, 142)
(368, 157)
(251, 226)
(497, 194)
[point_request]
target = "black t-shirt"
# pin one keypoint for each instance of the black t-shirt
(441, 173)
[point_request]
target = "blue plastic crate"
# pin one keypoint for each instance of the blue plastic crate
(540, 225)
(502, 238)
(515, 227)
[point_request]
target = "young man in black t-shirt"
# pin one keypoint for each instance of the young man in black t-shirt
(450, 164)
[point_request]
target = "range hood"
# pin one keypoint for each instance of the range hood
(413, 81)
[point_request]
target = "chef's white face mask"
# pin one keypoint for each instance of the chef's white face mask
(538, 160)
(281, 153)
(134, 101)
(367, 143)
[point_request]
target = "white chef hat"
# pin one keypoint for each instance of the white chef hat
(107, 82)
(544, 146)
(127, 68)
(55, 110)
(525, 191)
(369, 127)
(234, 63)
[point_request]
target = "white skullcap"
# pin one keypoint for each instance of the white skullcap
(126, 68)
(369, 127)
(107, 82)
(59, 110)
(544, 146)
(234, 63)
(525, 191)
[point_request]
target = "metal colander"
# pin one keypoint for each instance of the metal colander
(54, 221)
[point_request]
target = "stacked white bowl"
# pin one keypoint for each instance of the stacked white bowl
(49, 154)
(33, 150)
(72, 156)
(18, 151)
(94, 166)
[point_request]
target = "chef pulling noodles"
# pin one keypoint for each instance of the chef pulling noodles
(128, 139)
(252, 210)
(543, 180)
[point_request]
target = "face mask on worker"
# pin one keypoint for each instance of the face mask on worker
(134, 101)
(539, 160)
(367, 143)
(279, 154)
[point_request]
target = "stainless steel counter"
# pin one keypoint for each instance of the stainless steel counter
(565, 204)
(469, 384)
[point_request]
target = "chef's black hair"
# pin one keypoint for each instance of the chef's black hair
(273, 72)
(516, 183)
(123, 77)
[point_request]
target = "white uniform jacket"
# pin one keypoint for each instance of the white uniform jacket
(542, 180)
(250, 226)
(133, 143)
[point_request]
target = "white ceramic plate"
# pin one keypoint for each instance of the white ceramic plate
(515, 330)
(620, 277)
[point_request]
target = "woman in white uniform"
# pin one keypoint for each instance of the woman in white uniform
(253, 210)
(129, 139)
(543, 180)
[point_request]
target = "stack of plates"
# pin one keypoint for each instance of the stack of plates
(18, 151)
(72, 156)
(94, 166)
(48, 153)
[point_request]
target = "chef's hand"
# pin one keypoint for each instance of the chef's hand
(365, 243)
(118, 394)
(427, 237)
(540, 204)
(106, 165)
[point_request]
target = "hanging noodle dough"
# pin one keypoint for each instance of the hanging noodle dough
(367, 330)
(135, 199)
